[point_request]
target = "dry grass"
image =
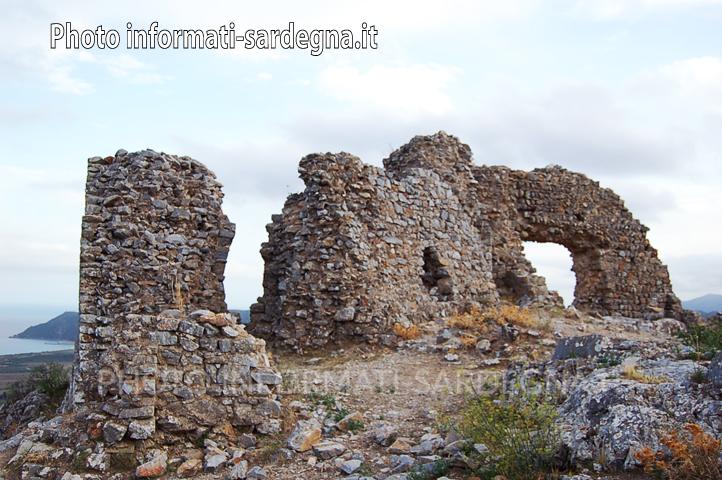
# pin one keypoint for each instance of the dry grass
(478, 320)
(545, 324)
(519, 316)
(692, 454)
(631, 372)
(468, 340)
(411, 332)
(289, 418)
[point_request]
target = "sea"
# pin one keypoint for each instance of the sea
(12, 346)
(14, 319)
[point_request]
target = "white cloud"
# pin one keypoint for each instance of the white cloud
(48, 244)
(695, 275)
(405, 90)
(25, 52)
(554, 263)
(129, 68)
(262, 168)
(614, 9)
(653, 137)
(700, 78)
(62, 80)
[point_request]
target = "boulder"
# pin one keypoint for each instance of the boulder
(305, 435)
(581, 347)
(328, 449)
(608, 415)
(155, 467)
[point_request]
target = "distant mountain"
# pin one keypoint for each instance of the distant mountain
(64, 327)
(706, 304)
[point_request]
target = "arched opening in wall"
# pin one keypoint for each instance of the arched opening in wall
(553, 262)
(436, 277)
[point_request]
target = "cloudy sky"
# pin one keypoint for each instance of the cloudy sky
(628, 92)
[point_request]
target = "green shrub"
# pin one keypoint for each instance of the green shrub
(705, 339)
(51, 379)
(520, 433)
(698, 375)
(607, 360)
(325, 399)
(340, 414)
(355, 425)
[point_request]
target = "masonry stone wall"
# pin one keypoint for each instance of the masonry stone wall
(362, 248)
(157, 349)
(616, 268)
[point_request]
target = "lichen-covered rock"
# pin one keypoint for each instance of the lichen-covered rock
(384, 434)
(189, 467)
(14, 416)
(154, 467)
(442, 232)
(714, 373)
(256, 473)
(610, 416)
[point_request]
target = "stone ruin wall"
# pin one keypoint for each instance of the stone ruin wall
(347, 257)
(362, 248)
(617, 270)
(157, 349)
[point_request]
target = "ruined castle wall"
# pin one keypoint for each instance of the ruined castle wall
(617, 270)
(151, 352)
(362, 248)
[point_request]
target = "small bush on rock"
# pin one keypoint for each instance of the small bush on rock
(705, 339)
(606, 360)
(690, 454)
(699, 375)
(17, 391)
(519, 432)
(51, 379)
(328, 400)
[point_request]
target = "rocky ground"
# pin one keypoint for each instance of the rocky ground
(388, 412)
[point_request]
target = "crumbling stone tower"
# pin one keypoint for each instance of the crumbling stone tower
(156, 347)
(362, 248)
